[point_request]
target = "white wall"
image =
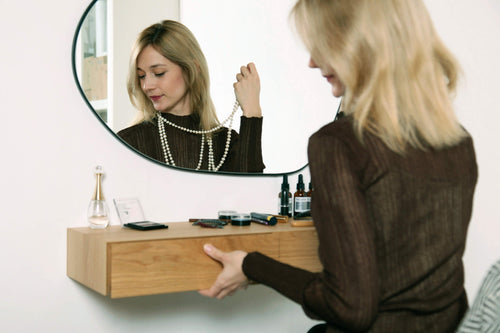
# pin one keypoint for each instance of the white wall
(51, 142)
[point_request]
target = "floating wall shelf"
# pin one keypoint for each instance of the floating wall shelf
(122, 262)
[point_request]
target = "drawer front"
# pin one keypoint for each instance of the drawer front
(300, 249)
(164, 266)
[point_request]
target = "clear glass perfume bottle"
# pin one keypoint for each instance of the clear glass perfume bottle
(98, 212)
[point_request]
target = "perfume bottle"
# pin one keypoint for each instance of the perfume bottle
(98, 212)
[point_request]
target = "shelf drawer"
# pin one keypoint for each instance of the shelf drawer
(165, 266)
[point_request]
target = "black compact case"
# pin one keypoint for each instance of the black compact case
(145, 225)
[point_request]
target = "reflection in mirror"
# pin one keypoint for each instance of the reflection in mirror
(295, 100)
(168, 83)
(91, 57)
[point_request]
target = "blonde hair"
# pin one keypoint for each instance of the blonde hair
(399, 76)
(176, 43)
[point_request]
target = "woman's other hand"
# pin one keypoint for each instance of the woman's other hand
(231, 278)
(247, 90)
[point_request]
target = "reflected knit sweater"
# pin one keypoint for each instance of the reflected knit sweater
(391, 230)
(245, 152)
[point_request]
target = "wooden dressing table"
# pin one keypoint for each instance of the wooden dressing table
(122, 262)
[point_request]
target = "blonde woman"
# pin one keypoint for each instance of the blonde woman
(393, 179)
(177, 124)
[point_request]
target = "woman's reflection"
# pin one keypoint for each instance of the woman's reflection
(168, 84)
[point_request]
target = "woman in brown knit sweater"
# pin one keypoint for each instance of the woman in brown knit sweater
(177, 124)
(394, 179)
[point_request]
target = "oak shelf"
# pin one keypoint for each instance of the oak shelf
(122, 262)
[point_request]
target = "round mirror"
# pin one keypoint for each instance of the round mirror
(295, 100)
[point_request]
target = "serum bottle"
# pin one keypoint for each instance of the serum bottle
(300, 199)
(309, 197)
(98, 213)
(285, 198)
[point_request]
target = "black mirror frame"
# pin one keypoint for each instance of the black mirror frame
(80, 89)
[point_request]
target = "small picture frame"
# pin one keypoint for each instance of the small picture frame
(129, 210)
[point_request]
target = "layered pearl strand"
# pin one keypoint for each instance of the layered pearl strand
(211, 163)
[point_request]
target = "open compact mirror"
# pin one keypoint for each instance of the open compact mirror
(294, 98)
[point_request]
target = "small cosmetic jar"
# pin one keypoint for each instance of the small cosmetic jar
(240, 219)
(225, 215)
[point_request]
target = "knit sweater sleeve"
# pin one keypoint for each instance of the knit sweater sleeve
(345, 293)
(246, 150)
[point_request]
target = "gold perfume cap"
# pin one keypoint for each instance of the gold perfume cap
(98, 187)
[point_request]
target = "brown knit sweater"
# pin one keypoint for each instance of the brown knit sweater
(245, 152)
(391, 231)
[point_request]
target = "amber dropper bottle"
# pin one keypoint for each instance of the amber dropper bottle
(300, 199)
(309, 197)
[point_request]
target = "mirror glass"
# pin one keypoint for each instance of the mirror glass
(295, 100)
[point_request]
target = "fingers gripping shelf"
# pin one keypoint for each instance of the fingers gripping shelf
(122, 262)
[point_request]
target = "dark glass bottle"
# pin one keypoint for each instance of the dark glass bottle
(309, 197)
(285, 198)
(300, 199)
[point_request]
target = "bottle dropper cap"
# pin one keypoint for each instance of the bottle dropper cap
(300, 184)
(285, 185)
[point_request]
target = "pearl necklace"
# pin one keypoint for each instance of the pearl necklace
(211, 163)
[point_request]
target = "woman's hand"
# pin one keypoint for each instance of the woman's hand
(231, 278)
(247, 90)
